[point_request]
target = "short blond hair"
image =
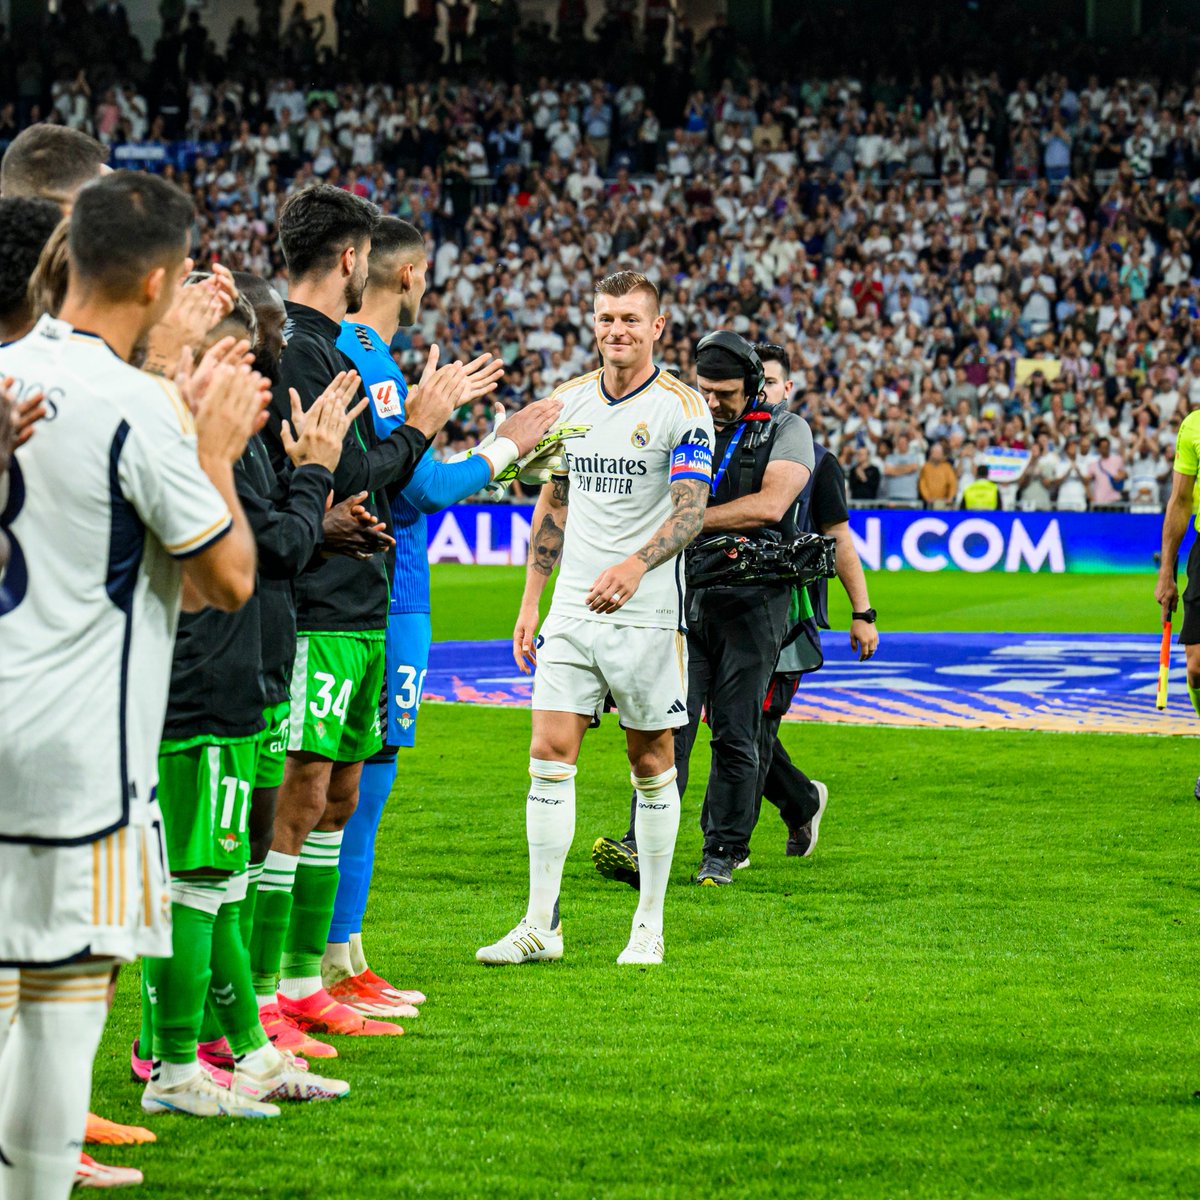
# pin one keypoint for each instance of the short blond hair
(621, 283)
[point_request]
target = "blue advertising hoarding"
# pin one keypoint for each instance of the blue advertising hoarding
(1051, 542)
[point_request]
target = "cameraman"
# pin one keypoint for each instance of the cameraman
(762, 460)
(821, 509)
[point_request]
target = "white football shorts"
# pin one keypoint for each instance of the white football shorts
(580, 661)
(109, 898)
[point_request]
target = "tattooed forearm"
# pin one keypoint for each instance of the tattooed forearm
(546, 547)
(688, 500)
(560, 490)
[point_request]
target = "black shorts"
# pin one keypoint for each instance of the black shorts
(1189, 635)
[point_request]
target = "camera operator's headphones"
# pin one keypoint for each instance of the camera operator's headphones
(754, 377)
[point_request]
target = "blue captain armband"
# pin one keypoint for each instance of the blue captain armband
(691, 461)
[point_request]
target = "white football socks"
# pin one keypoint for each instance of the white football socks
(655, 825)
(550, 828)
(358, 960)
(46, 1083)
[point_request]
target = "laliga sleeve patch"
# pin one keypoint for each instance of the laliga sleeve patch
(691, 461)
(385, 396)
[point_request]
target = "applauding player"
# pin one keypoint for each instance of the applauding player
(122, 494)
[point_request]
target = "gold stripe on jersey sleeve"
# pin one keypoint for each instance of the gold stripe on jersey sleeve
(675, 388)
(183, 414)
(578, 380)
(183, 547)
(688, 399)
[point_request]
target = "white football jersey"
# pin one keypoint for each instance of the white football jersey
(100, 505)
(620, 474)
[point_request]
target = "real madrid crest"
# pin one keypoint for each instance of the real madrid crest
(641, 436)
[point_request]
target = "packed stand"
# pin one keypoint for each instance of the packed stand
(963, 271)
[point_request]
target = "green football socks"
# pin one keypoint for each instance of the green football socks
(272, 914)
(231, 992)
(312, 911)
(177, 986)
(1194, 693)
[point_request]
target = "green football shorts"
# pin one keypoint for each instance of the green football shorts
(272, 745)
(336, 681)
(204, 787)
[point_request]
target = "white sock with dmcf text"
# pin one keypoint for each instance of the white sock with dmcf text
(47, 1077)
(550, 828)
(655, 825)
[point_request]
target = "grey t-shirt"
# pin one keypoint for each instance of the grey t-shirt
(902, 487)
(793, 441)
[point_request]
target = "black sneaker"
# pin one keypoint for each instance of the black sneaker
(617, 861)
(802, 839)
(714, 871)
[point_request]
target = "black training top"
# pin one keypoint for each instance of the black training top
(828, 494)
(227, 666)
(340, 593)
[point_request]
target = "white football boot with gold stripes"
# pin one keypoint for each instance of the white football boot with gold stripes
(524, 944)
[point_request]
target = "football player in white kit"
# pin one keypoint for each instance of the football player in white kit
(630, 497)
(118, 497)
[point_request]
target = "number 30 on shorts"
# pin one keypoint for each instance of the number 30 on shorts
(326, 702)
(410, 686)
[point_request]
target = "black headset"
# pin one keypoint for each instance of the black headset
(754, 376)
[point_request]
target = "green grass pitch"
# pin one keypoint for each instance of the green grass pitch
(983, 984)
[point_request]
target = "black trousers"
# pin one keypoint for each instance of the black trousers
(733, 646)
(780, 780)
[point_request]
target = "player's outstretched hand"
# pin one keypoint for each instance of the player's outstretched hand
(439, 393)
(524, 635)
(483, 374)
(1167, 594)
(527, 427)
(321, 431)
(232, 409)
(615, 586)
(351, 530)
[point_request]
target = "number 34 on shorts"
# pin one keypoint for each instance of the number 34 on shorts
(335, 695)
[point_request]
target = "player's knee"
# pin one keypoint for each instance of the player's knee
(648, 761)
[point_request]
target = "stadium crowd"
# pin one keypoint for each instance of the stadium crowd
(955, 265)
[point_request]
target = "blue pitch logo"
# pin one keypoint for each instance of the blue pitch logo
(1085, 683)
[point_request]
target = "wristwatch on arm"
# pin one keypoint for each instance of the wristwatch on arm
(869, 616)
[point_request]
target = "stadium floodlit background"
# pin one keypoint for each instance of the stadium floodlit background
(976, 229)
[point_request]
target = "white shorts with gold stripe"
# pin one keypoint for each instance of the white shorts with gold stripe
(107, 898)
(580, 661)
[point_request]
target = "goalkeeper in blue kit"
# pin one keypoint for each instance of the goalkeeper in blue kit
(395, 287)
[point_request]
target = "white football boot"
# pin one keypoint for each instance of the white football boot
(202, 1096)
(286, 1079)
(645, 946)
(524, 944)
